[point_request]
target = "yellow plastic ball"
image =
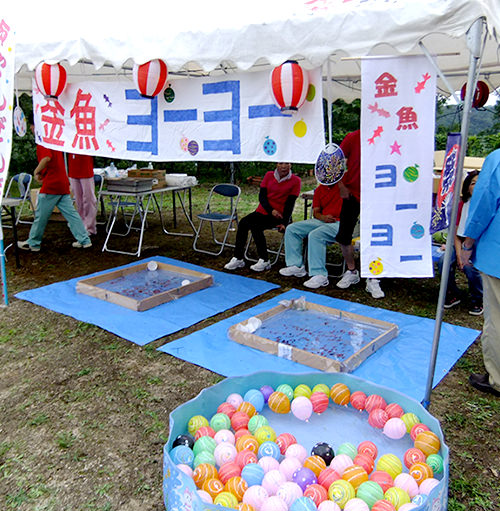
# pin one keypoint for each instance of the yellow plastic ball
(265, 434)
(226, 499)
(410, 419)
(302, 390)
(391, 464)
(397, 496)
(196, 422)
(341, 491)
(322, 387)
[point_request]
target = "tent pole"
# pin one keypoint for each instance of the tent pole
(474, 37)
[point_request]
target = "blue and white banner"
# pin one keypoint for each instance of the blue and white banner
(229, 118)
(397, 148)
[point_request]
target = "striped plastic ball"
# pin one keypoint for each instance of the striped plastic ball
(412, 456)
(369, 448)
(237, 486)
(358, 400)
(220, 421)
(435, 461)
(284, 441)
(365, 461)
(355, 475)
(203, 472)
(340, 394)
(252, 474)
(316, 492)
(226, 408)
(245, 457)
(228, 470)
(247, 408)
(327, 477)
(394, 410)
(226, 499)
(428, 442)
(383, 505)
(391, 464)
(341, 491)
(247, 442)
(256, 422)
(320, 402)
(256, 398)
(204, 431)
(315, 463)
(279, 402)
(321, 387)
(213, 487)
(377, 418)
(397, 497)
(348, 449)
(416, 429)
(383, 479)
(410, 419)
(374, 401)
(265, 434)
(302, 390)
(421, 471)
(195, 423)
(370, 492)
(239, 420)
(285, 389)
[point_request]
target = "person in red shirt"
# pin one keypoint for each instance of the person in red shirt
(320, 232)
(278, 192)
(81, 178)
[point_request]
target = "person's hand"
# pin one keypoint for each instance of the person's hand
(281, 228)
(463, 258)
(343, 190)
(329, 219)
(277, 214)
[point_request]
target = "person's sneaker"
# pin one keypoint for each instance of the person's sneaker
(293, 271)
(349, 278)
(261, 265)
(77, 244)
(234, 264)
(451, 301)
(476, 310)
(24, 245)
(482, 382)
(316, 281)
(373, 287)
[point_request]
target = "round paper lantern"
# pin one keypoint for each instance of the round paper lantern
(289, 86)
(480, 95)
(50, 79)
(150, 78)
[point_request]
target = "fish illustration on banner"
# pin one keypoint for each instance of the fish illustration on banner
(397, 149)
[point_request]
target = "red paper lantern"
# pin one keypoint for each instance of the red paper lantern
(50, 79)
(480, 95)
(150, 78)
(289, 86)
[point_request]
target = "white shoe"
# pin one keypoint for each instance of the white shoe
(316, 281)
(373, 287)
(77, 244)
(349, 278)
(293, 271)
(24, 245)
(261, 265)
(234, 264)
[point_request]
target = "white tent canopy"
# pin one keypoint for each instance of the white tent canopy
(104, 38)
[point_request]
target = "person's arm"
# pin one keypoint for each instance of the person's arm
(464, 255)
(264, 201)
(42, 165)
(287, 212)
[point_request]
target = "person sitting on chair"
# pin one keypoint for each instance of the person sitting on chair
(278, 192)
(320, 232)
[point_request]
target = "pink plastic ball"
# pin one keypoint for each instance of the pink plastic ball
(395, 428)
(234, 400)
(245, 457)
(186, 469)
(320, 401)
(356, 505)
(407, 482)
(302, 408)
(377, 418)
(288, 492)
(272, 481)
(327, 477)
(394, 410)
(369, 448)
(358, 400)
(296, 451)
(374, 401)
(365, 461)
(383, 479)
(224, 436)
(416, 429)
(224, 453)
(329, 505)
(205, 496)
(269, 463)
(226, 408)
(273, 503)
(340, 463)
(284, 441)
(255, 496)
(412, 456)
(427, 485)
(288, 466)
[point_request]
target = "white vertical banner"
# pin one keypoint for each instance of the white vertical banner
(397, 150)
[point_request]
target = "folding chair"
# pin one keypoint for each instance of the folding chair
(19, 188)
(99, 184)
(221, 207)
(276, 253)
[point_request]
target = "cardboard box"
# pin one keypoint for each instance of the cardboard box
(152, 174)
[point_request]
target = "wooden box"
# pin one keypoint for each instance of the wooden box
(139, 288)
(319, 348)
(129, 185)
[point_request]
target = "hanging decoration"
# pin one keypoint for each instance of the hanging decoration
(289, 86)
(150, 78)
(480, 95)
(50, 79)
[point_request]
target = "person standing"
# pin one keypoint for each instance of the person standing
(481, 248)
(278, 192)
(81, 178)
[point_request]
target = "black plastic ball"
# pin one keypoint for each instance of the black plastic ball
(325, 451)
(187, 440)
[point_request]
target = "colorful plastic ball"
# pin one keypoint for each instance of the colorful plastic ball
(383, 505)
(266, 392)
(374, 401)
(256, 422)
(255, 496)
(365, 461)
(302, 390)
(204, 457)
(203, 472)
(356, 505)
(370, 492)
(247, 408)
(187, 440)
(394, 410)
(247, 442)
(224, 436)
(341, 491)
(182, 454)
(196, 422)
(237, 486)
(245, 457)
(407, 507)
(273, 503)
(284, 441)
(327, 477)
(358, 400)
(377, 418)
(397, 497)
(427, 485)
(341, 462)
(303, 504)
(428, 442)
(418, 428)
(205, 496)
(340, 394)
(241, 432)
(302, 408)
(288, 492)
(234, 399)
(296, 451)
(213, 487)
(289, 466)
(355, 475)
(278, 402)
(228, 470)
(323, 450)
(265, 434)
(391, 464)
(394, 428)
(419, 499)
(421, 471)
(204, 443)
(252, 474)
(347, 448)
(220, 421)
(226, 408)
(412, 456)
(224, 452)
(243, 506)
(321, 387)
(204, 431)
(329, 505)
(256, 398)
(316, 492)
(315, 463)
(410, 419)
(269, 463)
(269, 449)
(319, 401)
(369, 448)
(239, 420)
(226, 499)
(285, 389)
(272, 481)
(406, 482)
(304, 477)
(435, 461)
(383, 479)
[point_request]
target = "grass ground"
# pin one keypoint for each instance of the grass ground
(84, 414)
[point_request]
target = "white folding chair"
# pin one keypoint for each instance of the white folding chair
(19, 188)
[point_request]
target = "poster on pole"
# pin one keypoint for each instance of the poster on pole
(397, 149)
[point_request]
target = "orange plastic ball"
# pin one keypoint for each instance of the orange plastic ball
(355, 475)
(247, 442)
(248, 408)
(421, 471)
(315, 463)
(243, 506)
(428, 442)
(237, 486)
(203, 472)
(213, 487)
(278, 402)
(340, 394)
